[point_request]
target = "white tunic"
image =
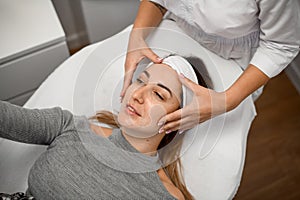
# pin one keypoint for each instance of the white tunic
(265, 33)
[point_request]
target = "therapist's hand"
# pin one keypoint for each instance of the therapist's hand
(137, 50)
(205, 104)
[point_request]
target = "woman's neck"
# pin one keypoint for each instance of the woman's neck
(144, 145)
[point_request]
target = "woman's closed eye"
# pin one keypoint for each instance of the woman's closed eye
(140, 81)
(158, 95)
(155, 92)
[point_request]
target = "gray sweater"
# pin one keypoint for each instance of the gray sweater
(68, 170)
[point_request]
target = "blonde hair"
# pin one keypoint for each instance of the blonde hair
(173, 170)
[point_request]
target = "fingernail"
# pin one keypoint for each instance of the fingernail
(180, 132)
(160, 123)
(168, 131)
(161, 130)
(159, 59)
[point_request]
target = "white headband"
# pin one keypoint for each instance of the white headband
(181, 65)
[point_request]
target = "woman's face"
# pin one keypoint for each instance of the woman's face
(155, 93)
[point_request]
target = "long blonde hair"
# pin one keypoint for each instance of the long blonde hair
(173, 170)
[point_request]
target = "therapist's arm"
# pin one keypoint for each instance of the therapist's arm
(149, 16)
(278, 46)
(250, 80)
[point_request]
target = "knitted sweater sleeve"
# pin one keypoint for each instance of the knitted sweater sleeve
(33, 126)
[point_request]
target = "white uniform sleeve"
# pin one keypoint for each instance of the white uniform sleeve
(160, 2)
(279, 35)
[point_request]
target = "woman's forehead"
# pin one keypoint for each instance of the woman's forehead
(164, 74)
(161, 72)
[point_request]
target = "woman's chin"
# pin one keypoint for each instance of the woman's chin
(139, 132)
(138, 129)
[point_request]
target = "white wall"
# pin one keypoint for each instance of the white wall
(105, 18)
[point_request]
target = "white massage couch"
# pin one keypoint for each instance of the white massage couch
(86, 82)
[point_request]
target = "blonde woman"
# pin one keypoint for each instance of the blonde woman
(119, 161)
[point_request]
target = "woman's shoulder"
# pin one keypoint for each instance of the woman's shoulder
(100, 130)
(170, 187)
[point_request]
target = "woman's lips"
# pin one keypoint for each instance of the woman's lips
(131, 110)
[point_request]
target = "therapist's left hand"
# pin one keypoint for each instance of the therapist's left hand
(205, 104)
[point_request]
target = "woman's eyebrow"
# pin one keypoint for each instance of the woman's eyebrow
(158, 84)
(165, 87)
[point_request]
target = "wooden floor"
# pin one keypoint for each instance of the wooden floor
(272, 167)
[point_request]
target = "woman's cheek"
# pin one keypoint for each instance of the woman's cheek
(156, 112)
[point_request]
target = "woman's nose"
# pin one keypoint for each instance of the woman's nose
(139, 94)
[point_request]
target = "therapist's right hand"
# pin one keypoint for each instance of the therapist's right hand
(137, 50)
